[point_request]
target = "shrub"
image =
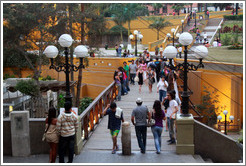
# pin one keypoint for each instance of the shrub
(233, 17)
(84, 103)
(240, 139)
(227, 29)
(235, 46)
(226, 40)
(28, 87)
(61, 101)
(6, 76)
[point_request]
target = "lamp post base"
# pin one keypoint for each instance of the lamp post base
(68, 98)
(185, 115)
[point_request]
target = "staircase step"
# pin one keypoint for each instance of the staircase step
(198, 158)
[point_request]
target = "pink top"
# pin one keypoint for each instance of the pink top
(144, 66)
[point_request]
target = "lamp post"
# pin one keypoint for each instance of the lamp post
(219, 31)
(170, 52)
(195, 19)
(139, 36)
(182, 21)
(80, 51)
(225, 112)
(173, 30)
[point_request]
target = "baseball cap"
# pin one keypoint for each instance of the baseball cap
(139, 100)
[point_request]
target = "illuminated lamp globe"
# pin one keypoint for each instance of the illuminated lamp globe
(131, 36)
(168, 35)
(201, 52)
(51, 51)
(182, 21)
(178, 34)
(185, 39)
(81, 51)
(231, 117)
(225, 112)
(140, 36)
(173, 30)
(65, 40)
(219, 27)
(219, 117)
(170, 52)
(135, 32)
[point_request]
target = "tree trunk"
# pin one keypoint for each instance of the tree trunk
(237, 8)
(158, 34)
(80, 70)
(70, 8)
(129, 27)
(121, 36)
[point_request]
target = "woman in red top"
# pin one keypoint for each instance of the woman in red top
(52, 136)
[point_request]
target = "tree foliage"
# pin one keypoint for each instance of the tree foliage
(84, 103)
(158, 23)
(28, 87)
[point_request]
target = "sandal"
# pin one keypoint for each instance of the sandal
(113, 151)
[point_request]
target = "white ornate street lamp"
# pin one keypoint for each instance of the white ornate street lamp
(80, 51)
(138, 35)
(170, 52)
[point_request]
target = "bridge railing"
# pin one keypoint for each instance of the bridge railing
(92, 116)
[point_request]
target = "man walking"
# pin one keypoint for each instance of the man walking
(114, 123)
(67, 125)
(126, 68)
(133, 70)
(139, 115)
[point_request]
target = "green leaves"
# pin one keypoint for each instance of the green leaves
(84, 103)
(28, 87)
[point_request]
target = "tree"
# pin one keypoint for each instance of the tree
(129, 12)
(156, 7)
(178, 6)
(222, 6)
(158, 23)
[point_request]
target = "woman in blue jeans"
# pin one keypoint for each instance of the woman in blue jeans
(159, 115)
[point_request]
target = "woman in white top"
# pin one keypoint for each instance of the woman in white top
(162, 88)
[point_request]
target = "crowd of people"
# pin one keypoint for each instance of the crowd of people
(146, 71)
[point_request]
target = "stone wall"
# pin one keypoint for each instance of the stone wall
(210, 143)
(36, 127)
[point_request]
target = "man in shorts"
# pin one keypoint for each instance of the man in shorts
(114, 123)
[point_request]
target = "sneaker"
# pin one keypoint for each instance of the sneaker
(172, 142)
(169, 140)
(158, 152)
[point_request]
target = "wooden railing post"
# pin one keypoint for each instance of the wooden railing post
(92, 119)
(96, 113)
(85, 126)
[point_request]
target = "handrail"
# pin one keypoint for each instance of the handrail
(92, 115)
(216, 31)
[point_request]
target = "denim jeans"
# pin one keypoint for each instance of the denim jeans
(132, 76)
(64, 144)
(170, 124)
(156, 130)
(119, 91)
(127, 84)
(123, 88)
(141, 132)
(162, 95)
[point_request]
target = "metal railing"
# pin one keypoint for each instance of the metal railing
(92, 115)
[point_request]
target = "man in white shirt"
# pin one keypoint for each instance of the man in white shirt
(171, 116)
(162, 88)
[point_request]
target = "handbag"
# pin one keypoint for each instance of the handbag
(153, 79)
(136, 79)
(151, 122)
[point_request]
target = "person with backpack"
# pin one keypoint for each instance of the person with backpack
(114, 123)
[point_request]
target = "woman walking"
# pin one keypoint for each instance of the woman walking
(162, 88)
(118, 84)
(51, 135)
(156, 129)
(140, 76)
(151, 78)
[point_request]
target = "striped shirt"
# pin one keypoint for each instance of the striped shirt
(67, 124)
